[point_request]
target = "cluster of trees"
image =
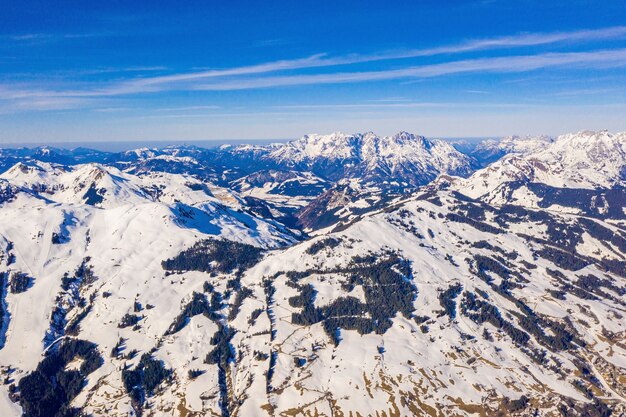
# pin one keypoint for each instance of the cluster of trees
(304, 298)
(560, 339)
(562, 259)
(269, 289)
(388, 291)
(562, 239)
(58, 322)
(260, 356)
(58, 238)
(255, 315)
(446, 299)
(7, 193)
(215, 255)
(604, 234)
(592, 283)
(3, 311)
(485, 264)
(473, 209)
(83, 276)
(329, 242)
(584, 200)
(409, 226)
(513, 406)
(118, 348)
(94, 196)
(73, 326)
(590, 287)
(478, 225)
(595, 408)
(50, 388)
(222, 353)
(587, 287)
(20, 282)
(613, 265)
(128, 320)
(194, 373)
(71, 297)
(270, 371)
(559, 234)
(481, 312)
(567, 287)
(198, 305)
(142, 381)
(483, 244)
(242, 294)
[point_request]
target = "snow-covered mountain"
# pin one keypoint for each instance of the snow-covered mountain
(403, 158)
(491, 150)
(585, 167)
(132, 291)
(183, 200)
(285, 185)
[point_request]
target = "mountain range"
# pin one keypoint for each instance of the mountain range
(333, 275)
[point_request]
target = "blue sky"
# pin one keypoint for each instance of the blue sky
(155, 70)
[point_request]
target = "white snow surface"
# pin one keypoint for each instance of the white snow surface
(585, 159)
(439, 366)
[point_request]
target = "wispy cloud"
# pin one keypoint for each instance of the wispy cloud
(28, 37)
(41, 104)
(583, 91)
(271, 43)
(21, 39)
(283, 73)
(509, 64)
(408, 105)
(173, 81)
(391, 100)
(154, 83)
(187, 108)
(322, 60)
(503, 42)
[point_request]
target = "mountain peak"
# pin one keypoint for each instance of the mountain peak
(582, 160)
(403, 157)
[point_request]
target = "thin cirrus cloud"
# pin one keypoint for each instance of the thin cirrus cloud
(151, 84)
(263, 75)
(529, 39)
(509, 64)
(33, 39)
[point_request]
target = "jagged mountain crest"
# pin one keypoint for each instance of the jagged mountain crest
(586, 160)
(491, 150)
(401, 158)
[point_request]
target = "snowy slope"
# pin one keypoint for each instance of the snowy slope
(289, 187)
(426, 352)
(584, 160)
(433, 303)
(426, 362)
(491, 150)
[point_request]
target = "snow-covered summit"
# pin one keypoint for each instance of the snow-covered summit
(403, 156)
(490, 150)
(587, 160)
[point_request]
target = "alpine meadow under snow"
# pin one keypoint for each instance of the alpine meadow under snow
(333, 275)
